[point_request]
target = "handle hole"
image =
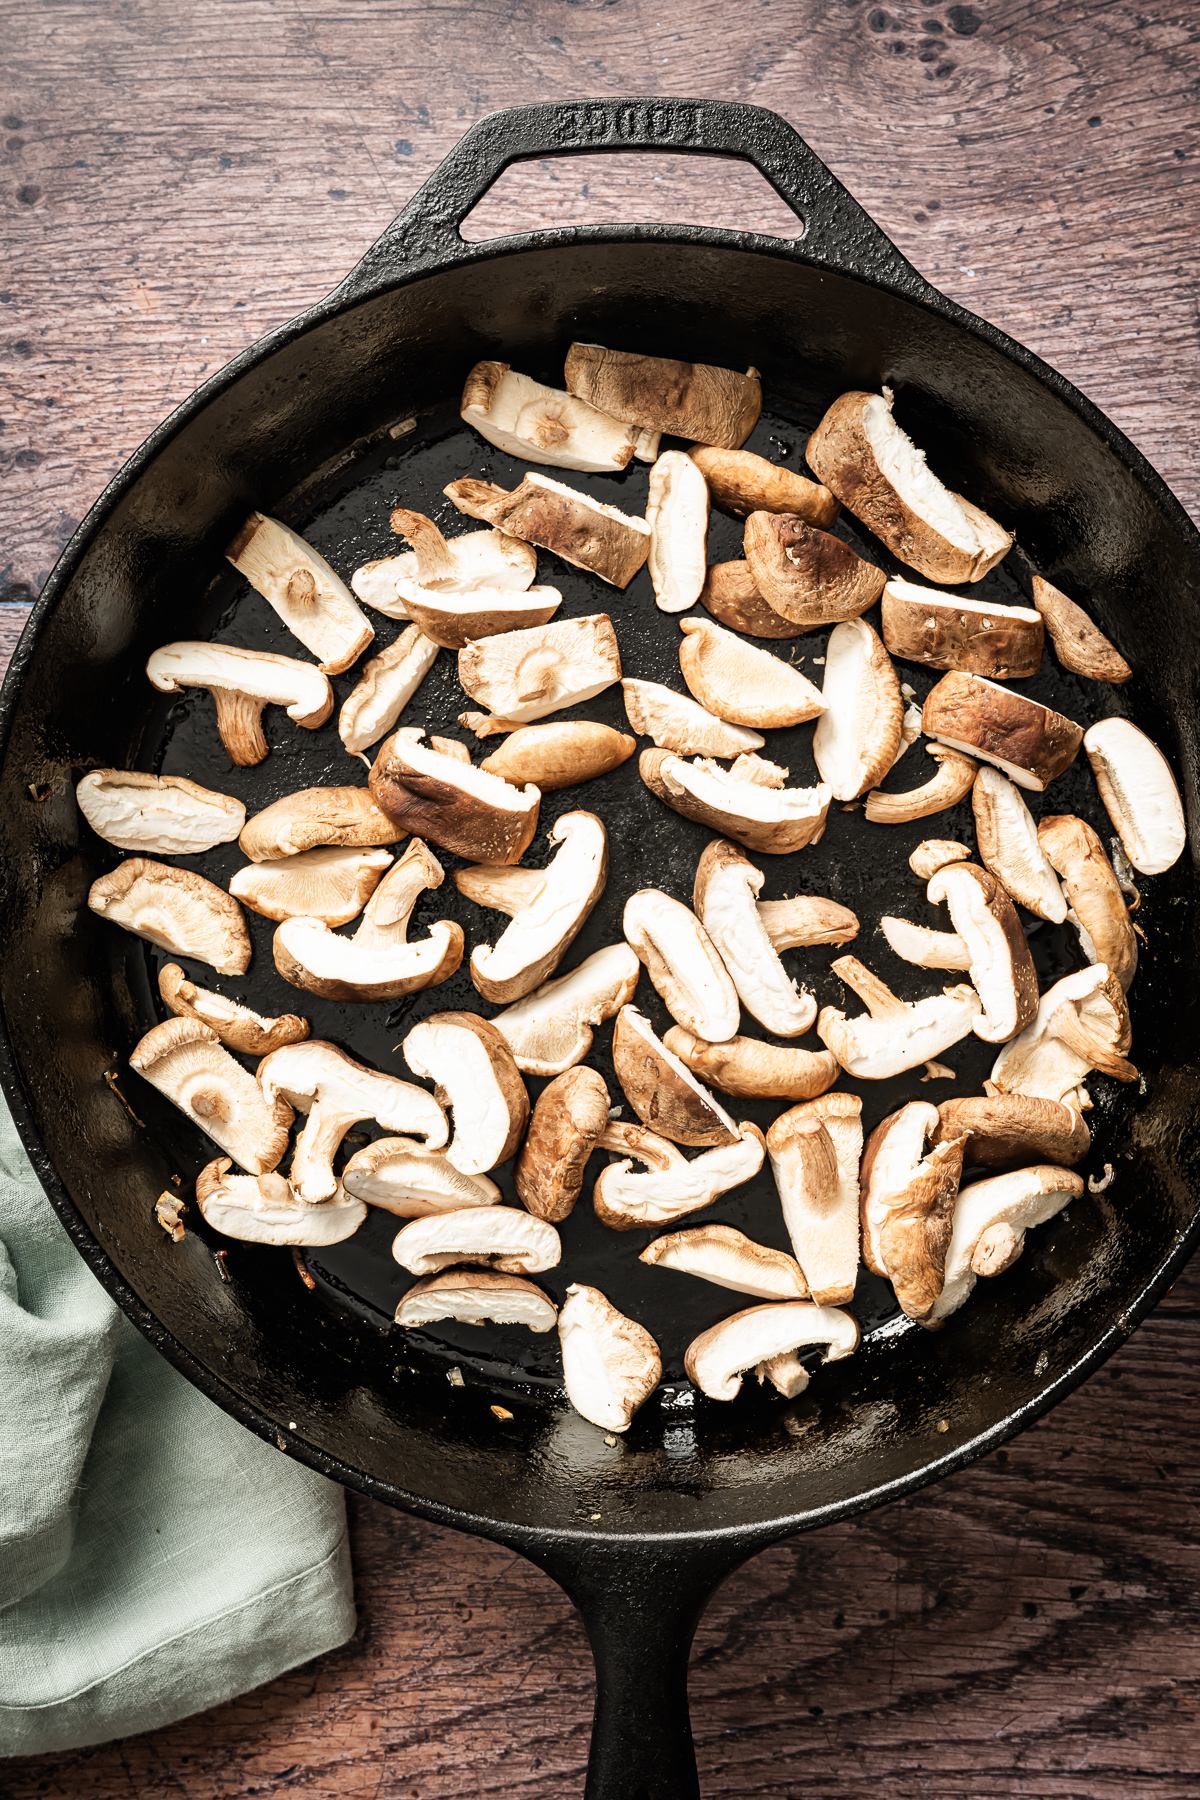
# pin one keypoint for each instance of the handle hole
(630, 188)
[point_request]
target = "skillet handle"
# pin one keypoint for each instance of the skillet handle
(838, 234)
(641, 1604)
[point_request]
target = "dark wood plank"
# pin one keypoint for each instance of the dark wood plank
(177, 179)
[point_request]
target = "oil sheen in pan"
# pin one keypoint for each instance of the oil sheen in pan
(863, 866)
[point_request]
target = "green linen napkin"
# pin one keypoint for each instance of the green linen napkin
(155, 1557)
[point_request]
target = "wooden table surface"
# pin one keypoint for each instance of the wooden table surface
(179, 177)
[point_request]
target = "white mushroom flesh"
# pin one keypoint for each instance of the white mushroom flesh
(718, 1358)
(927, 949)
(384, 689)
(990, 1221)
(677, 514)
(905, 467)
(157, 815)
(544, 425)
(676, 722)
(729, 914)
(1038, 1062)
(858, 733)
(332, 884)
(184, 1060)
(738, 801)
(814, 1160)
(498, 1237)
(271, 680)
(897, 1034)
(314, 603)
(1008, 846)
(729, 1259)
(412, 1182)
(463, 1065)
(683, 964)
(545, 927)
(1139, 792)
(176, 909)
(476, 1297)
(262, 1210)
(611, 1364)
(523, 675)
(660, 1196)
(488, 559)
(550, 1030)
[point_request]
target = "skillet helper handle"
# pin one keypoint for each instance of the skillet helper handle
(838, 234)
(641, 1604)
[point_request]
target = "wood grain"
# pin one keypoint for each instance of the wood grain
(176, 179)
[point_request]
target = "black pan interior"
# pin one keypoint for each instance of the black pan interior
(306, 434)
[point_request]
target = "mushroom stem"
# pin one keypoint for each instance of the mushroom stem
(878, 998)
(434, 560)
(239, 724)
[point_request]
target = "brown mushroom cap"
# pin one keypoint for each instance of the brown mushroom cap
(242, 1030)
(947, 631)
(879, 475)
(476, 1297)
(1079, 645)
(742, 483)
(611, 1364)
(730, 593)
(1074, 850)
(741, 683)
(176, 909)
(447, 802)
(1009, 1130)
(1001, 964)
(315, 816)
(477, 1079)
(773, 821)
(933, 854)
(569, 1117)
(858, 734)
(162, 815)
(729, 1259)
(523, 675)
(690, 400)
(629, 1200)
(751, 1068)
(456, 620)
(908, 1204)
(551, 1029)
(952, 783)
(808, 575)
(663, 1093)
(559, 755)
(677, 723)
(1009, 847)
(1031, 743)
(184, 1060)
(582, 530)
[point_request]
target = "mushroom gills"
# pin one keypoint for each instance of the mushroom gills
(186, 1062)
(176, 909)
(677, 723)
(332, 884)
(157, 815)
(550, 1030)
(237, 1026)
(729, 1259)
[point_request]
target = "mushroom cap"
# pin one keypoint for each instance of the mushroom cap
(476, 1297)
(725, 896)
(948, 631)
(628, 1201)
(729, 1259)
(908, 1204)
(718, 1358)
(611, 1364)
(1139, 794)
(730, 593)
(285, 681)
(385, 687)
(582, 530)
(570, 1115)
(707, 404)
(1079, 645)
(664, 1093)
(677, 514)
(312, 817)
(1030, 742)
(544, 927)
(551, 1029)
(753, 1069)
(478, 1080)
(317, 1076)
(262, 1209)
(333, 884)
(313, 602)
(814, 1159)
(456, 620)
(1001, 964)
(378, 962)
(1010, 1129)
(772, 821)
(560, 754)
(990, 1221)
(683, 964)
(858, 733)
(1076, 853)
(808, 575)
(1082, 1023)
(412, 1181)
(498, 1237)
(176, 909)
(185, 1061)
(163, 815)
(742, 683)
(927, 949)
(741, 483)
(952, 783)
(450, 803)
(683, 725)
(807, 919)
(894, 1035)
(523, 675)
(878, 473)
(933, 854)
(247, 1032)
(542, 424)
(1008, 846)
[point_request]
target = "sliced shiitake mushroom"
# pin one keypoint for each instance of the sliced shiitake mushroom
(544, 425)
(476, 1077)
(1007, 1130)
(176, 909)
(1079, 645)
(548, 908)
(583, 531)
(157, 815)
(894, 1034)
(731, 594)
(725, 896)
(677, 514)
(1139, 794)
(411, 1181)
(741, 683)
(990, 1221)
(690, 400)
(858, 732)
(683, 725)
(1082, 1023)
(611, 1364)
(765, 1339)
(342, 816)
(186, 1062)
(496, 1237)
(908, 1198)
(241, 683)
(313, 602)
(626, 1199)
(742, 483)
(1008, 846)
(751, 1068)
(807, 575)
(1030, 742)
(332, 884)
(559, 755)
(476, 1297)
(262, 1209)
(570, 1116)
(947, 631)
(729, 1259)
(442, 798)
(665, 1094)
(682, 962)
(523, 675)
(237, 1026)
(772, 820)
(1098, 908)
(550, 1030)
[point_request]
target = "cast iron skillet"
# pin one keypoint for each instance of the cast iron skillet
(305, 425)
